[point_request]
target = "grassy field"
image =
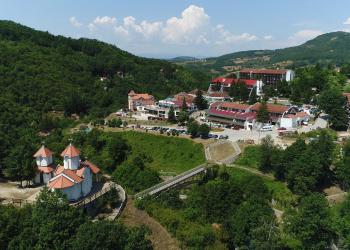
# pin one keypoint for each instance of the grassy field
(283, 197)
(168, 155)
(250, 156)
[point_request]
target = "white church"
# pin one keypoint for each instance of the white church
(74, 178)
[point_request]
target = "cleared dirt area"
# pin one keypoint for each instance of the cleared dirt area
(160, 237)
(335, 195)
(11, 190)
(221, 151)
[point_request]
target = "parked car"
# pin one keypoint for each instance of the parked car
(281, 128)
(266, 128)
(223, 137)
(215, 136)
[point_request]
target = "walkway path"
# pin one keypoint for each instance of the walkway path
(253, 171)
(172, 182)
(123, 200)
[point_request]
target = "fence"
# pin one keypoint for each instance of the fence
(169, 183)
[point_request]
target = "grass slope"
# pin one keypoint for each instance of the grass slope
(168, 155)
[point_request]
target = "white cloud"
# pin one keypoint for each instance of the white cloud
(92, 28)
(73, 20)
(302, 36)
(268, 37)
(347, 21)
(121, 31)
(192, 27)
(186, 28)
(306, 34)
(105, 20)
(149, 29)
(226, 37)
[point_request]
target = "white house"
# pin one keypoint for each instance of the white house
(45, 168)
(294, 120)
(74, 178)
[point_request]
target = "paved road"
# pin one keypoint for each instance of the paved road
(235, 135)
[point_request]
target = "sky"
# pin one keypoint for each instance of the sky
(169, 28)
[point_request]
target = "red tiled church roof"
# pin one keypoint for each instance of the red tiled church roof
(46, 170)
(43, 152)
(70, 151)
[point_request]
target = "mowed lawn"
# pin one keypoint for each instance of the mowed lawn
(169, 155)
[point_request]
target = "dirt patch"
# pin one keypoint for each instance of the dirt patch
(160, 237)
(335, 195)
(205, 142)
(221, 151)
(11, 190)
(333, 190)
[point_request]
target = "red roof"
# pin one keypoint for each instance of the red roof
(59, 170)
(232, 114)
(229, 81)
(222, 80)
(264, 71)
(46, 170)
(43, 152)
(248, 82)
(60, 182)
(272, 108)
(230, 105)
(219, 94)
(70, 151)
(297, 115)
(92, 167)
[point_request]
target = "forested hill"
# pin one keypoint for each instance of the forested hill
(42, 71)
(330, 48)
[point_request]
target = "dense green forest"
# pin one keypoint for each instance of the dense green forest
(41, 73)
(232, 209)
(330, 48)
(52, 224)
(284, 209)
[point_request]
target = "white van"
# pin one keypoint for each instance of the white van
(266, 128)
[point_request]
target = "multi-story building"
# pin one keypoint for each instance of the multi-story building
(223, 84)
(242, 115)
(267, 76)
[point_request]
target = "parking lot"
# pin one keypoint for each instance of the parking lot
(238, 135)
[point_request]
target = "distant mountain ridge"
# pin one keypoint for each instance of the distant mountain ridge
(329, 48)
(183, 59)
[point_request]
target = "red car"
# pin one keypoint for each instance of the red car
(281, 128)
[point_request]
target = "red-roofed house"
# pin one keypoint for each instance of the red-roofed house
(45, 167)
(136, 100)
(74, 178)
(275, 111)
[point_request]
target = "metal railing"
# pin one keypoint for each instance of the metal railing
(169, 183)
